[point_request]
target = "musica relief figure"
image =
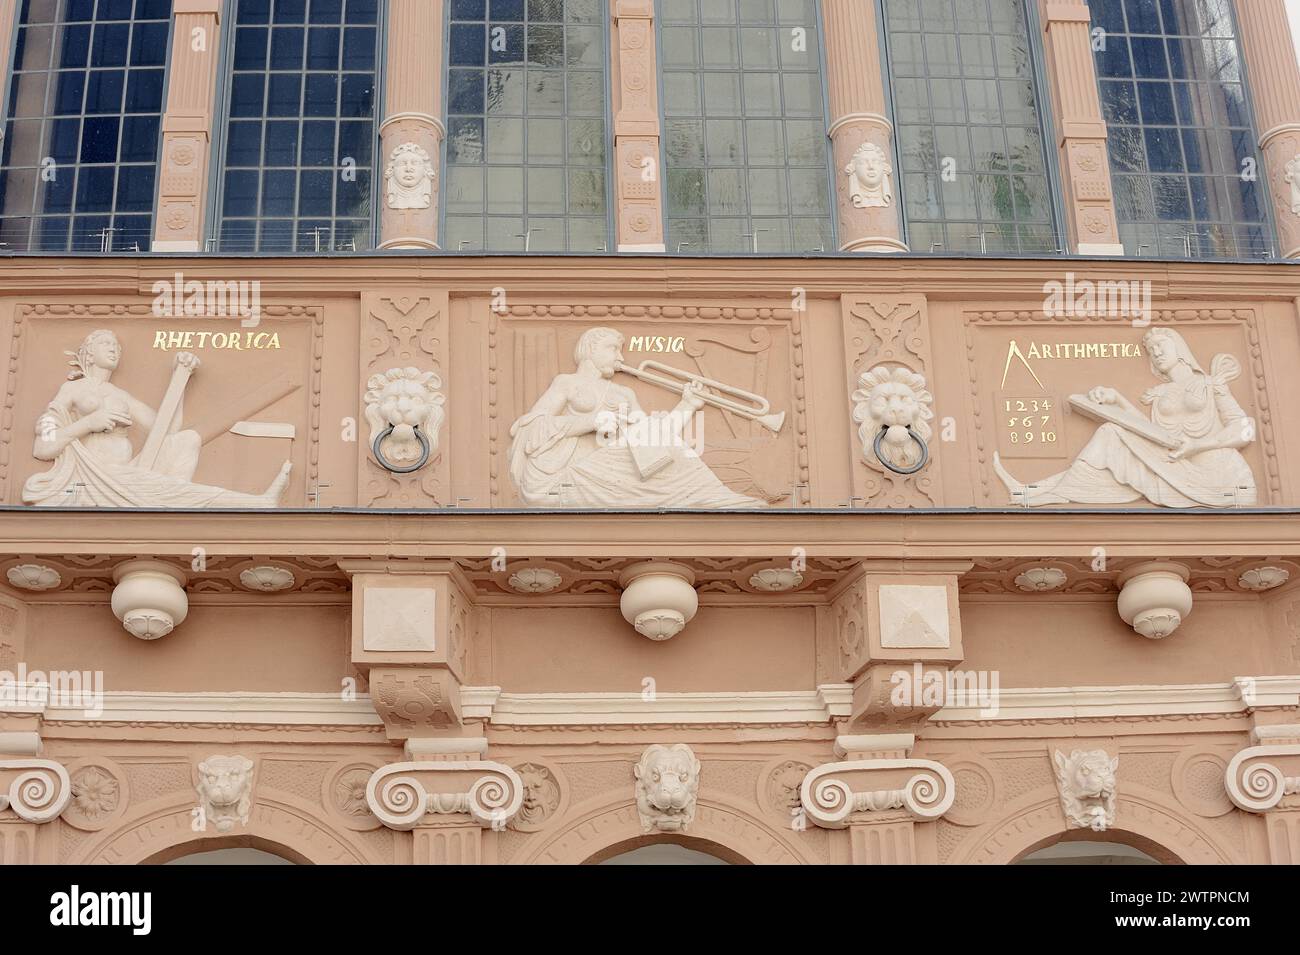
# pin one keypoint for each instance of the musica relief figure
(579, 447)
(85, 431)
(1184, 453)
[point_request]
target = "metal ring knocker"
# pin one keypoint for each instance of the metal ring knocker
(925, 451)
(384, 462)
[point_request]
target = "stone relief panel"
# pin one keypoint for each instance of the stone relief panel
(161, 407)
(1079, 408)
(888, 361)
(99, 794)
(404, 362)
(544, 795)
(651, 406)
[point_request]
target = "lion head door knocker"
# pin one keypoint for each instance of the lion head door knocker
(892, 407)
(405, 412)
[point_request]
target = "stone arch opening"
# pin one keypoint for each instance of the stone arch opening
(195, 848)
(1084, 847)
(690, 851)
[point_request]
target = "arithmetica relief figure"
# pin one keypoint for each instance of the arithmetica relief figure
(85, 431)
(1184, 453)
(587, 443)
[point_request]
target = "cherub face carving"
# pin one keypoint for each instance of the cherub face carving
(409, 177)
(895, 399)
(667, 783)
(406, 399)
(869, 171)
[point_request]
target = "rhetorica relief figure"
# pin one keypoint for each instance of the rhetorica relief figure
(587, 443)
(85, 431)
(869, 171)
(408, 178)
(1185, 454)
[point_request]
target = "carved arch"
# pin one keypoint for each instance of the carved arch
(287, 827)
(1145, 822)
(728, 831)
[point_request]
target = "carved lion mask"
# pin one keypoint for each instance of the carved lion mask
(1091, 775)
(406, 399)
(667, 783)
(896, 399)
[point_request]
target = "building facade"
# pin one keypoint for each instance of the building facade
(565, 431)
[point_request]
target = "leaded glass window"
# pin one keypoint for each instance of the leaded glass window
(83, 125)
(298, 156)
(968, 118)
(747, 156)
(1182, 147)
(526, 126)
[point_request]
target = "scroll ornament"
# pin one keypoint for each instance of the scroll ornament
(834, 793)
(38, 790)
(404, 409)
(892, 408)
(1257, 783)
(402, 795)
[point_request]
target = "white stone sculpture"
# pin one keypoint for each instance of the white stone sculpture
(869, 173)
(405, 399)
(36, 790)
(659, 598)
(1200, 465)
(1086, 781)
(267, 578)
(1154, 598)
(409, 177)
(36, 577)
(149, 598)
(776, 579)
(226, 791)
(1292, 178)
(1257, 578)
(85, 431)
(667, 786)
(1040, 579)
(573, 448)
(893, 398)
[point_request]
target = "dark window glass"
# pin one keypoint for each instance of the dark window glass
(300, 125)
(973, 157)
(1182, 153)
(80, 154)
(526, 149)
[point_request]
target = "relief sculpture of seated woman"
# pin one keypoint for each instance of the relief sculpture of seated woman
(85, 432)
(1205, 425)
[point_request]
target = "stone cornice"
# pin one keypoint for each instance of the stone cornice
(914, 534)
(828, 276)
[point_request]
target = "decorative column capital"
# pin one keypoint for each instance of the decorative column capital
(1258, 778)
(404, 796)
(38, 790)
(838, 795)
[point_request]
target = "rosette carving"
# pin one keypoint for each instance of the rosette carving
(835, 792)
(1258, 777)
(403, 794)
(36, 789)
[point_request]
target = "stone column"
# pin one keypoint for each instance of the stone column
(187, 127)
(879, 794)
(446, 794)
(869, 218)
(1091, 226)
(412, 123)
(1275, 87)
(636, 128)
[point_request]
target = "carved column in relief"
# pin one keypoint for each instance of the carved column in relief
(404, 329)
(408, 177)
(1081, 131)
(1275, 87)
(889, 333)
(33, 791)
(446, 795)
(862, 136)
(636, 129)
(187, 127)
(1265, 778)
(879, 795)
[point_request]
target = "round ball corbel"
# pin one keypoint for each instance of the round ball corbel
(1154, 598)
(149, 598)
(659, 598)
